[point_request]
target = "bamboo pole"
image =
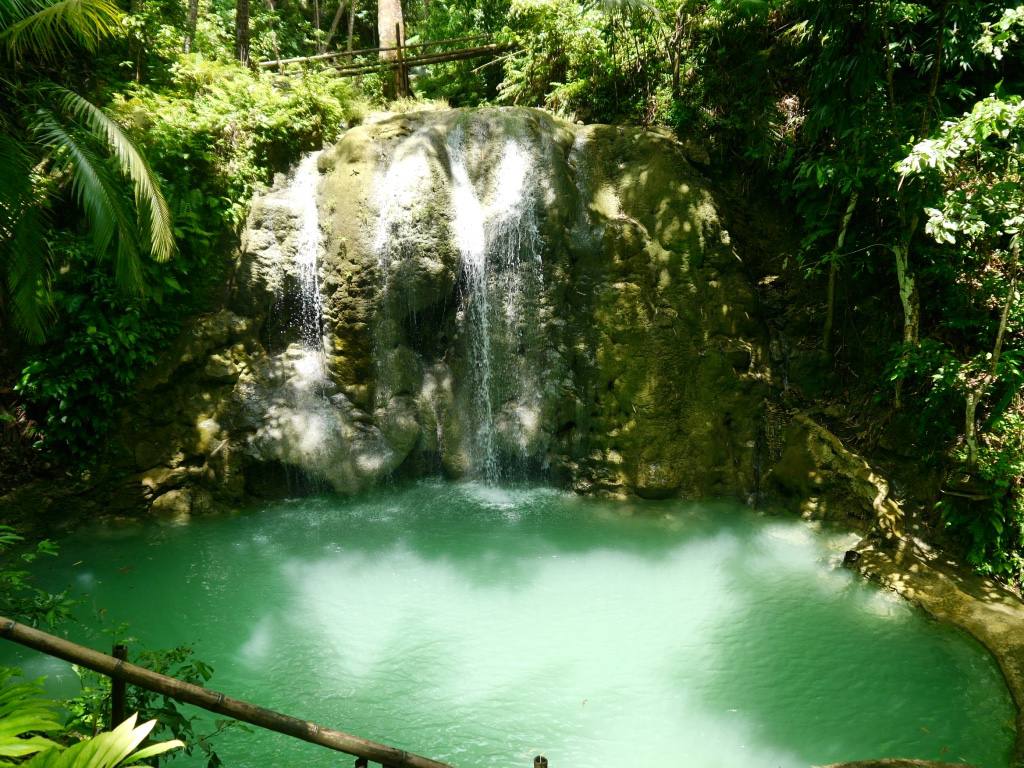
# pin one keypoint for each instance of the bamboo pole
(117, 690)
(344, 54)
(213, 701)
(401, 78)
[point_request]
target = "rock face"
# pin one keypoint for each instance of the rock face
(504, 295)
(831, 482)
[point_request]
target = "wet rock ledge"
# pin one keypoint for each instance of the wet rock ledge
(830, 482)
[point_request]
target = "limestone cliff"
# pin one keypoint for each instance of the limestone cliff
(505, 295)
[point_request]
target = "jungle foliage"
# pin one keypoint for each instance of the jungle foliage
(37, 731)
(892, 128)
(118, 222)
(31, 734)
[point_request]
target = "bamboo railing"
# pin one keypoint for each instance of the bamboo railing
(413, 61)
(363, 51)
(401, 62)
(117, 669)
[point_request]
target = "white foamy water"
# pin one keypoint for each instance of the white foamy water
(301, 196)
(496, 232)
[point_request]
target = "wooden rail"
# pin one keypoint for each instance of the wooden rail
(401, 62)
(429, 58)
(120, 670)
(361, 51)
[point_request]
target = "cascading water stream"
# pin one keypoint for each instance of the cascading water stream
(299, 416)
(471, 240)
(301, 197)
(497, 238)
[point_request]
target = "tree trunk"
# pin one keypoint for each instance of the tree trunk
(190, 25)
(908, 287)
(334, 25)
(933, 88)
(971, 426)
(978, 391)
(273, 34)
(242, 31)
(890, 65)
(675, 44)
(351, 24)
(316, 25)
(135, 44)
(909, 296)
(833, 272)
(391, 33)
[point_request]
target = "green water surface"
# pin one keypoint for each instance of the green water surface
(482, 626)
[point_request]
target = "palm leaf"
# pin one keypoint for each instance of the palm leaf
(97, 190)
(25, 259)
(48, 29)
(107, 750)
(132, 164)
(16, 192)
(24, 714)
(89, 185)
(24, 255)
(153, 750)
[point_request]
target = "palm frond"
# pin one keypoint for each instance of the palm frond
(24, 256)
(26, 259)
(96, 190)
(150, 201)
(47, 29)
(15, 182)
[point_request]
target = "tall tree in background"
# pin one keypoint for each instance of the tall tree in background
(242, 31)
(351, 24)
(342, 4)
(190, 25)
(391, 33)
(334, 24)
(320, 48)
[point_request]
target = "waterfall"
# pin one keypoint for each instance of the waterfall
(496, 234)
(300, 196)
(300, 416)
(396, 193)
(471, 240)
